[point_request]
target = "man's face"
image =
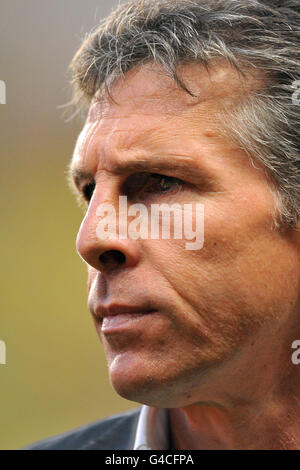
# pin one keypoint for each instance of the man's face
(214, 312)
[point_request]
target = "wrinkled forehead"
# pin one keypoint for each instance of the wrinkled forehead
(148, 108)
(148, 89)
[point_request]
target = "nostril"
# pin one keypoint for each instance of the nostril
(112, 258)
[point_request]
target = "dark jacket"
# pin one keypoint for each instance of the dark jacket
(116, 432)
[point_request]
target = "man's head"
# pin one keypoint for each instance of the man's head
(192, 103)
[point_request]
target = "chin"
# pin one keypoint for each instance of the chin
(130, 379)
(147, 384)
(141, 385)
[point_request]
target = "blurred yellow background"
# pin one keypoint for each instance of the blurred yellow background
(56, 376)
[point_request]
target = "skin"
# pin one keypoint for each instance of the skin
(218, 352)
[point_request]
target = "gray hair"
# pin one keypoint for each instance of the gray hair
(262, 36)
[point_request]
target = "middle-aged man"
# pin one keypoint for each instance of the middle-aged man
(194, 103)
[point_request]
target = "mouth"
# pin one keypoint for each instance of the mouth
(117, 322)
(116, 317)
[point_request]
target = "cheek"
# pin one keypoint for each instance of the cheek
(238, 272)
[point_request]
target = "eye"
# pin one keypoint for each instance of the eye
(88, 190)
(140, 184)
(161, 183)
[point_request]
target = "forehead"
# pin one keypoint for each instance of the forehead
(147, 106)
(149, 86)
(149, 89)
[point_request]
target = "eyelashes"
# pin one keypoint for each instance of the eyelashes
(162, 183)
(144, 184)
(140, 184)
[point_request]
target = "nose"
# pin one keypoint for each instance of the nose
(108, 254)
(112, 259)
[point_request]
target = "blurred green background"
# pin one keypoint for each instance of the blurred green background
(56, 376)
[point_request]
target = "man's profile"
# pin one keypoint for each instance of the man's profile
(189, 105)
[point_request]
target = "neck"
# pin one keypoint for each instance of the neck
(271, 423)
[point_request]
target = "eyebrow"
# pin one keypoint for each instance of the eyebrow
(78, 174)
(186, 165)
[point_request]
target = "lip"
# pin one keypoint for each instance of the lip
(114, 310)
(125, 321)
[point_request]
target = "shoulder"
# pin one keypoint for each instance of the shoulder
(112, 433)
